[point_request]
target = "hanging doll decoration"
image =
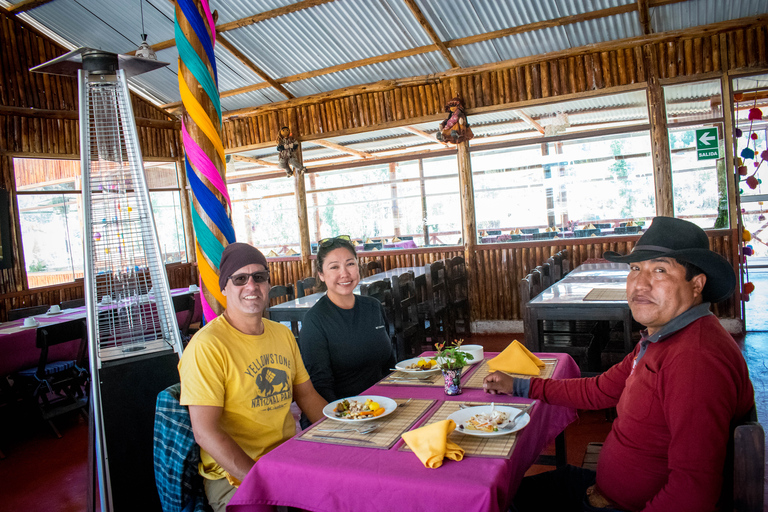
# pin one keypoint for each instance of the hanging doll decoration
(288, 158)
(455, 129)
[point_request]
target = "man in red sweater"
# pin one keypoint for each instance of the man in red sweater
(676, 394)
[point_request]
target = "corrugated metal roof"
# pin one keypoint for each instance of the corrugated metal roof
(703, 12)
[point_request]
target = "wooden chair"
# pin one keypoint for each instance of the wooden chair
(458, 294)
(565, 263)
(555, 268)
(73, 303)
(373, 267)
(279, 294)
(64, 378)
(744, 470)
(434, 306)
(16, 314)
(306, 286)
(382, 291)
(546, 278)
(409, 331)
(184, 307)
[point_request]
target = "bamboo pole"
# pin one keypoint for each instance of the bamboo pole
(662, 170)
(423, 192)
(469, 231)
(303, 218)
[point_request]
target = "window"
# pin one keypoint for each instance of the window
(50, 212)
(698, 177)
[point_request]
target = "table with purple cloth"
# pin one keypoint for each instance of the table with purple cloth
(18, 348)
(334, 478)
(403, 244)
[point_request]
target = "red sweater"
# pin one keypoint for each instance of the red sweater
(666, 450)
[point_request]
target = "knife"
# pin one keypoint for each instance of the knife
(342, 439)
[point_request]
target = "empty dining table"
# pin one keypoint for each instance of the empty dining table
(593, 291)
(294, 310)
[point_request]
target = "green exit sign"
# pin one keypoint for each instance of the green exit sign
(706, 143)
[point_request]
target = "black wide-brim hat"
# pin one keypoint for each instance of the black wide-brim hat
(685, 241)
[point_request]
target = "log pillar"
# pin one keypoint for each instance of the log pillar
(423, 191)
(393, 195)
(186, 212)
(300, 190)
(662, 166)
(468, 224)
(729, 142)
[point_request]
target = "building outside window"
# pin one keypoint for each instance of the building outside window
(50, 211)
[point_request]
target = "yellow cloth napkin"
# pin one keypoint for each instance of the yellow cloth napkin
(630, 223)
(272, 254)
(395, 240)
(591, 226)
(516, 359)
(518, 232)
(368, 241)
(556, 237)
(431, 444)
(291, 252)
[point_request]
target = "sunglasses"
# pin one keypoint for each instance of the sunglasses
(327, 242)
(262, 276)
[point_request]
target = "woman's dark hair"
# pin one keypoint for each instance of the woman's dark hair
(330, 245)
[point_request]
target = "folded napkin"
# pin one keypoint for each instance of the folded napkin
(291, 252)
(431, 444)
(630, 223)
(395, 240)
(556, 237)
(516, 359)
(368, 241)
(482, 233)
(272, 254)
(517, 232)
(591, 226)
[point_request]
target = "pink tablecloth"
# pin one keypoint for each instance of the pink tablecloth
(333, 478)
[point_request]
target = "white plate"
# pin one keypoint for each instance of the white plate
(422, 374)
(388, 404)
(461, 416)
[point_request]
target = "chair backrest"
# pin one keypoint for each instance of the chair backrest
(382, 291)
(546, 279)
(373, 267)
(437, 286)
(56, 334)
(406, 316)
(305, 287)
(524, 289)
(748, 467)
(555, 268)
(73, 303)
(281, 293)
(372, 246)
(565, 263)
(535, 282)
(16, 314)
(184, 307)
(456, 273)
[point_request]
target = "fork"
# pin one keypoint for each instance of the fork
(511, 423)
(364, 430)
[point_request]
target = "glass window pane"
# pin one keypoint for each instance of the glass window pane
(161, 175)
(604, 181)
(52, 238)
(693, 101)
(36, 174)
(166, 207)
(264, 215)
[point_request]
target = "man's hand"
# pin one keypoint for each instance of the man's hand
(309, 401)
(499, 383)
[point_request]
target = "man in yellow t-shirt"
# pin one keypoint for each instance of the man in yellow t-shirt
(239, 375)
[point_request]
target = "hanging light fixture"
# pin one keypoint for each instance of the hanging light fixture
(145, 51)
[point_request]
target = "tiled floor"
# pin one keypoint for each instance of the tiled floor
(45, 474)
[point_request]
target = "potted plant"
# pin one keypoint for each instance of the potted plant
(451, 361)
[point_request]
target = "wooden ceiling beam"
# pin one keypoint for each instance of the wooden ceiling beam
(26, 5)
(644, 15)
(248, 159)
(250, 20)
(423, 134)
(253, 67)
(343, 149)
(431, 32)
(529, 120)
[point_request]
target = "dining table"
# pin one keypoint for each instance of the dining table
(294, 310)
(330, 472)
(18, 349)
(591, 291)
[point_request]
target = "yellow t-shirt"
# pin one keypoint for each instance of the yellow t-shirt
(251, 377)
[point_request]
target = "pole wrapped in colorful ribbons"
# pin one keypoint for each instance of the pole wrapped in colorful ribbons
(204, 158)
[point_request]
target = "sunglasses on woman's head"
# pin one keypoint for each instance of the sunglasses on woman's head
(327, 242)
(262, 276)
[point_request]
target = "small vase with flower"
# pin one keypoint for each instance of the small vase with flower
(452, 361)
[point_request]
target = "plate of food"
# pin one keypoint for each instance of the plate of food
(421, 367)
(489, 420)
(360, 408)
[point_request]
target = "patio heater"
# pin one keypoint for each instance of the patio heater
(134, 342)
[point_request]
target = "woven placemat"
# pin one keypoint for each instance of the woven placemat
(384, 437)
(476, 379)
(474, 446)
(607, 294)
(408, 379)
